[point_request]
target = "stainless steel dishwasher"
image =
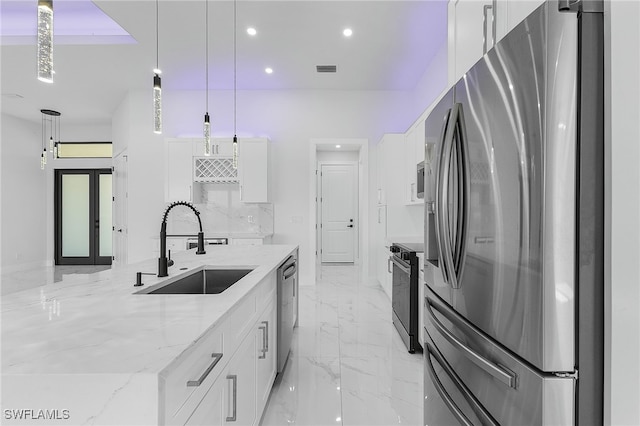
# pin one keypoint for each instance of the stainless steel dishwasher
(287, 309)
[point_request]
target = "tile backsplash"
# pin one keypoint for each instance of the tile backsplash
(221, 212)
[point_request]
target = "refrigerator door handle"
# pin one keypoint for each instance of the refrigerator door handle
(462, 223)
(477, 407)
(503, 375)
(438, 210)
(442, 200)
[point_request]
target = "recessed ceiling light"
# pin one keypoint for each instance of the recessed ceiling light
(347, 32)
(268, 70)
(337, 146)
(251, 31)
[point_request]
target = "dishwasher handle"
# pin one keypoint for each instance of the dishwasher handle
(293, 268)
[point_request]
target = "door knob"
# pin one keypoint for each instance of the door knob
(349, 226)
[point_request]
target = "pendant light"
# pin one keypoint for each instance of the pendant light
(234, 162)
(157, 86)
(45, 41)
(53, 119)
(207, 123)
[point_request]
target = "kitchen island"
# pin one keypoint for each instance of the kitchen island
(90, 351)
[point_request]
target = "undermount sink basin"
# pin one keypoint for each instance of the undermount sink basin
(202, 281)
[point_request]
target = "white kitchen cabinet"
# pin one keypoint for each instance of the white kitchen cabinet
(474, 26)
(382, 170)
(266, 354)
(224, 147)
(253, 170)
(390, 175)
(211, 409)
(179, 163)
(252, 173)
(382, 251)
(517, 10)
(240, 389)
(412, 138)
(223, 373)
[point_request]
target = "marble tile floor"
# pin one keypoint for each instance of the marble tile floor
(347, 365)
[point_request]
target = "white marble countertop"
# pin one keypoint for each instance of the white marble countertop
(222, 235)
(96, 325)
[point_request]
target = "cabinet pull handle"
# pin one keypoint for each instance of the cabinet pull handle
(486, 7)
(265, 339)
(413, 185)
(484, 27)
(240, 192)
(389, 266)
(234, 396)
(198, 382)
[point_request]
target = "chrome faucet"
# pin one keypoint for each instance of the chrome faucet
(163, 262)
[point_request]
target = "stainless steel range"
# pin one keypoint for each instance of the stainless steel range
(405, 292)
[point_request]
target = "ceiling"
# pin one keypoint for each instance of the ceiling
(102, 52)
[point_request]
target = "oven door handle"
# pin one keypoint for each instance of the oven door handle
(401, 266)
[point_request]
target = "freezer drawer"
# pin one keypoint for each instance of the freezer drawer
(469, 379)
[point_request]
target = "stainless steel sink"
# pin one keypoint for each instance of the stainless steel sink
(201, 281)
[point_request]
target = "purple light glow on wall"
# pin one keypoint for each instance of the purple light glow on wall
(75, 22)
(426, 32)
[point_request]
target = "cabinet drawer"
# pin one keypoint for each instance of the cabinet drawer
(239, 321)
(199, 365)
(267, 288)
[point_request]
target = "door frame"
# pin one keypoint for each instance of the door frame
(120, 214)
(356, 236)
(94, 207)
(309, 266)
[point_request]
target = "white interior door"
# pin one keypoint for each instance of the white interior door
(120, 208)
(338, 200)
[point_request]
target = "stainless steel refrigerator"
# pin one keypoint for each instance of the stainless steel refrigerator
(514, 230)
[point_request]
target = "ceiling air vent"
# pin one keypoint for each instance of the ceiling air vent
(326, 68)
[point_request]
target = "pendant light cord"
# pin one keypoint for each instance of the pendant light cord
(235, 31)
(206, 13)
(157, 38)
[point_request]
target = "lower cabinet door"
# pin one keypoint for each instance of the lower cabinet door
(266, 355)
(210, 409)
(240, 385)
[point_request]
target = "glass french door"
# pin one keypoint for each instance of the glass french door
(83, 210)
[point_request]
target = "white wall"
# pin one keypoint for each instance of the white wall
(433, 82)
(622, 328)
(27, 221)
(23, 196)
(289, 118)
